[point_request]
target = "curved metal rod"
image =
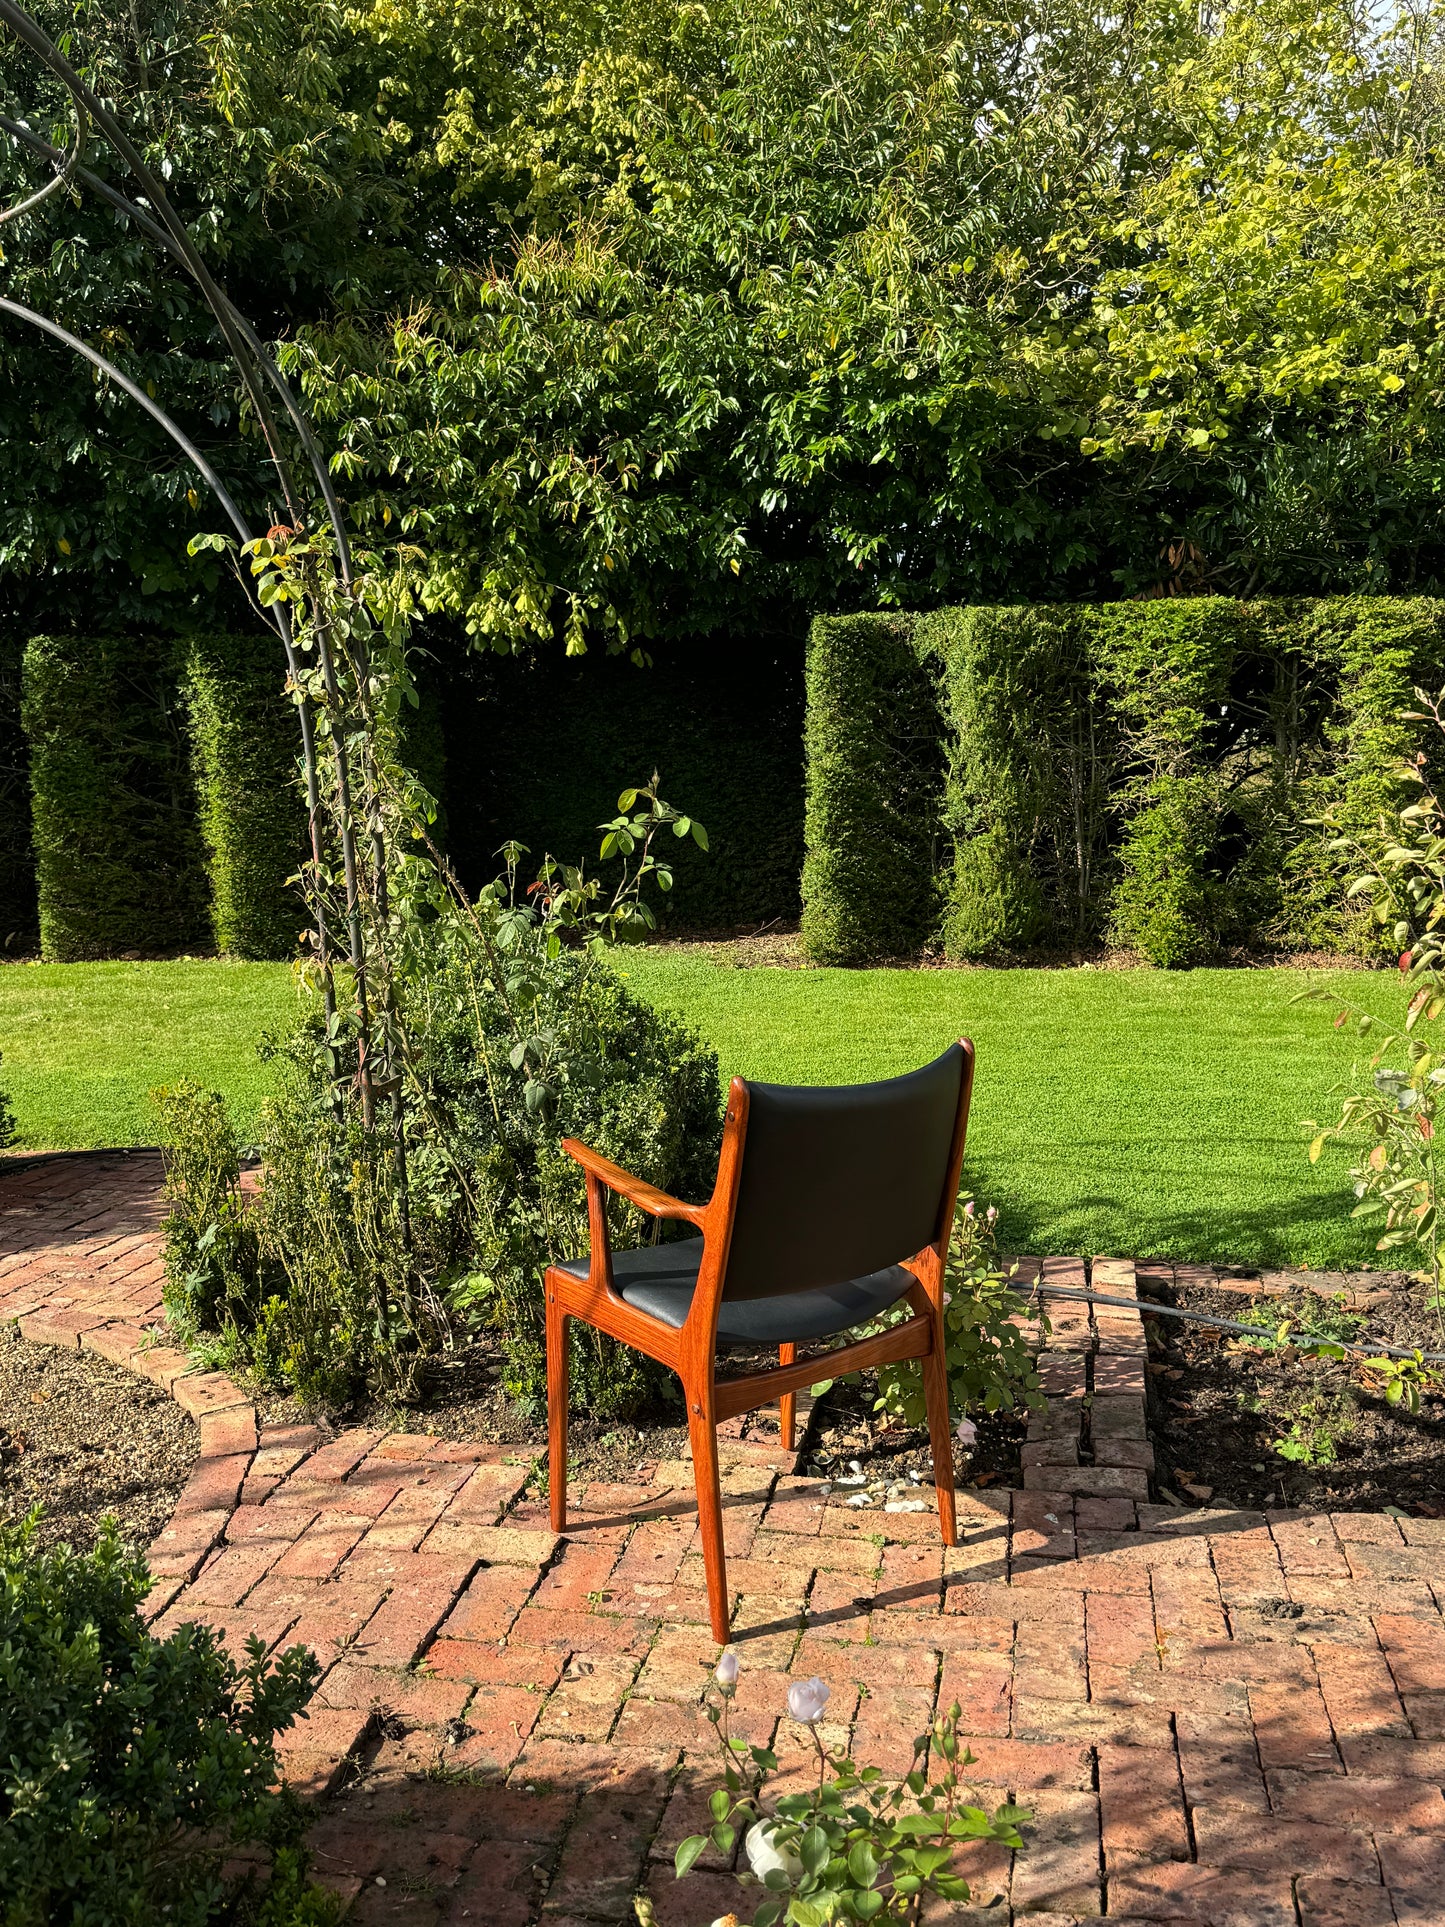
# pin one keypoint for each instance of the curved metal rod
(32, 35)
(1151, 1308)
(137, 394)
(17, 130)
(279, 617)
(33, 201)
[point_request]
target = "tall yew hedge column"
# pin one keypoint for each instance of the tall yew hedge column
(872, 829)
(117, 851)
(252, 810)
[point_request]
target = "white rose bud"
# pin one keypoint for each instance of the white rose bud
(967, 1433)
(726, 1673)
(807, 1698)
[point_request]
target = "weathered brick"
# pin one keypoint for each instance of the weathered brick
(214, 1485)
(1225, 1837)
(203, 1392)
(1324, 1902)
(1028, 1766)
(1059, 1870)
(1357, 1800)
(1214, 1898)
(1141, 1800)
(227, 1432)
(1293, 1728)
(1219, 1762)
(1359, 1691)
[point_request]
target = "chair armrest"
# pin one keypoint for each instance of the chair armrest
(645, 1196)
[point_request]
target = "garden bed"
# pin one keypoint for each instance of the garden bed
(847, 1439)
(82, 1438)
(1238, 1422)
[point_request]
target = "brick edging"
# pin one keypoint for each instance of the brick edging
(1092, 1439)
(228, 1427)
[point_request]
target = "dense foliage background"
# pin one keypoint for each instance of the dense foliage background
(649, 321)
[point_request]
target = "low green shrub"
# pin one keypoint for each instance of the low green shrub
(131, 1767)
(244, 741)
(209, 1240)
(7, 1119)
(524, 1038)
(874, 792)
(118, 854)
(988, 1349)
(858, 1844)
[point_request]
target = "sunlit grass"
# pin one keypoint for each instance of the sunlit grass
(1130, 1111)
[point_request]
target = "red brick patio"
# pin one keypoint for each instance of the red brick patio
(1216, 1717)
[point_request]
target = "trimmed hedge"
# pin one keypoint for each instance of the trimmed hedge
(119, 863)
(538, 748)
(1027, 770)
(19, 930)
(245, 746)
(874, 791)
(1154, 773)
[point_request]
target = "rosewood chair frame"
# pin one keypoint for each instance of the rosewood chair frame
(691, 1350)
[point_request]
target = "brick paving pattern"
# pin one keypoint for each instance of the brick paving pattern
(1218, 1717)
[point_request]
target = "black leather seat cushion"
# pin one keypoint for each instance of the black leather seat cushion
(660, 1280)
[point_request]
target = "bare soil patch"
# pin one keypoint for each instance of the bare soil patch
(82, 1438)
(1237, 1422)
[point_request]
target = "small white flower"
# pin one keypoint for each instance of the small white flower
(967, 1433)
(764, 1857)
(807, 1698)
(726, 1672)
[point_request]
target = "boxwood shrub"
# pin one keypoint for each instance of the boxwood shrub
(131, 1767)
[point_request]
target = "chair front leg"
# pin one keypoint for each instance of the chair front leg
(940, 1436)
(557, 1335)
(927, 1297)
(702, 1436)
(787, 1404)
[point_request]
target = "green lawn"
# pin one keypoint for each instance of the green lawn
(83, 1044)
(1125, 1111)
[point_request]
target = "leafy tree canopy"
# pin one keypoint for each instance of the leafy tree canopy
(648, 318)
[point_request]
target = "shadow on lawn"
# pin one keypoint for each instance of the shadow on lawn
(1305, 1229)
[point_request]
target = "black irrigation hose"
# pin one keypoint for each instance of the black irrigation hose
(1147, 1307)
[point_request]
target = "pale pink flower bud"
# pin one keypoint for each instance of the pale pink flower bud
(807, 1698)
(726, 1672)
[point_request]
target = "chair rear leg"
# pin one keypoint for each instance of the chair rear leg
(935, 1392)
(787, 1404)
(702, 1434)
(557, 1330)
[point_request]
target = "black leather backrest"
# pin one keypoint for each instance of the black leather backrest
(840, 1180)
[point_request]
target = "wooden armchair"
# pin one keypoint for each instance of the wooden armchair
(831, 1204)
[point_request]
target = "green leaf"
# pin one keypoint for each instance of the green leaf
(685, 1859)
(719, 1805)
(814, 1850)
(862, 1863)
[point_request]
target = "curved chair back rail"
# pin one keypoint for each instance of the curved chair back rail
(831, 1203)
